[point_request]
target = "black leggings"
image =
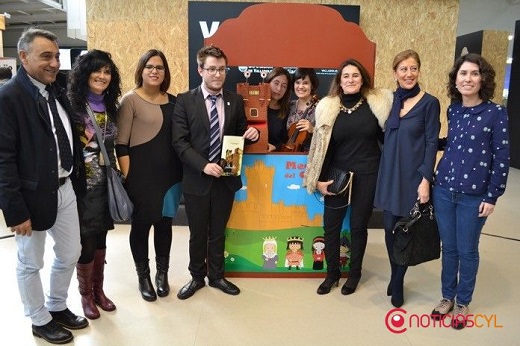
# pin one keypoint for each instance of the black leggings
(90, 244)
(162, 236)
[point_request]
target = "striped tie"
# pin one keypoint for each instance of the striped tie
(214, 131)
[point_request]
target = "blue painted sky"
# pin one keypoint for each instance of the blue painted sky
(287, 185)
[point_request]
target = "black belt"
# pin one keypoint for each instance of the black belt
(62, 180)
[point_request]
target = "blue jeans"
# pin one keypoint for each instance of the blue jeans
(459, 228)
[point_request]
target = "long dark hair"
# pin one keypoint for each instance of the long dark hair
(284, 101)
(165, 85)
(335, 85)
(487, 73)
(78, 78)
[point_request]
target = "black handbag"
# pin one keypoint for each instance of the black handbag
(342, 181)
(416, 237)
(119, 204)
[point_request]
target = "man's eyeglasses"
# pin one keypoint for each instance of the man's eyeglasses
(150, 68)
(213, 70)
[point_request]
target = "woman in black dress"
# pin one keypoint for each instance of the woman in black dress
(151, 167)
(94, 83)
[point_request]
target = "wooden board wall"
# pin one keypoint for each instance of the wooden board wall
(494, 48)
(129, 28)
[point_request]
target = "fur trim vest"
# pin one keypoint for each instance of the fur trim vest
(380, 103)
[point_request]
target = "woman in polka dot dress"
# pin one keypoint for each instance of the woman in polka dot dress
(471, 175)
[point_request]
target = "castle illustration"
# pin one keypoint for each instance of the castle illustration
(259, 212)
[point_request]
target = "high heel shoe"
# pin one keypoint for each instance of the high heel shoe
(350, 286)
(326, 285)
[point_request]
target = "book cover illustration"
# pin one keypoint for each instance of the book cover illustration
(232, 152)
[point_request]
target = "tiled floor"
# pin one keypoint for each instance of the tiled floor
(288, 311)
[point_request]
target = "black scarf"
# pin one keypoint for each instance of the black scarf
(400, 95)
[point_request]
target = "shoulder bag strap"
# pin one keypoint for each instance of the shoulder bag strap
(98, 135)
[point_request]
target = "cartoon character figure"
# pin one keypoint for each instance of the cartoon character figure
(318, 253)
(270, 253)
(294, 255)
(344, 251)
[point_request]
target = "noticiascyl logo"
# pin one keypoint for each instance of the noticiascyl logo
(395, 321)
(398, 321)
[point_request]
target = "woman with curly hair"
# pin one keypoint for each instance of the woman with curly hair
(470, 177)
(94, 84)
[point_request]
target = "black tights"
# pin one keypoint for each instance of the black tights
(397, 271)
(90, 244)
(162, 236)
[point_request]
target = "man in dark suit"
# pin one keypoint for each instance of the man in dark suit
(41, 168)
(208, 195)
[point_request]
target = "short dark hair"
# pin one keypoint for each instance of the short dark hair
(28, 36)
(79, 75)
(213, 51)
(335, 86)
(165, 85)
(487, 73)
(5, 72)
(303, 72)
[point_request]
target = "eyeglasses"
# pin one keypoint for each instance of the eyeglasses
(213, 70)
(150, 68)
(404, 69)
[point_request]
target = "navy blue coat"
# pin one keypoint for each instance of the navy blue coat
(409, 154)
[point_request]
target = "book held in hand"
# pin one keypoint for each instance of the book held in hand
(232, 151)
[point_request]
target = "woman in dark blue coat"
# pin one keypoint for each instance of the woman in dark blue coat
(408, 159)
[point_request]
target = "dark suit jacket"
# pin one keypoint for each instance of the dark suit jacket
(28, 161)
(190, 137)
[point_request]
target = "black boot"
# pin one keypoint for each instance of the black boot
(350, 286)
(331, 280)
(161, 277)
(390, 287)
(145, 283)
(327, 285)
(397, 299)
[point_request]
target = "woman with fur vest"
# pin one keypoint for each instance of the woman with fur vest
(347, 135)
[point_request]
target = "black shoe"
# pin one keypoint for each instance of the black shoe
(350, 286)
(326, 285)
(68, 320)
(190, 288)
(52, 332)
(397, 301)
(225, 286)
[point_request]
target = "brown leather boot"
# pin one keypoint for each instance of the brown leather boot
(84, 273)
(97, 281)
